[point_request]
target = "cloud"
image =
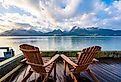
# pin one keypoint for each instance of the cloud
(110, 17)
(46, 15)
(117, 4)
(56, 9)
(33, 7)
(18, 21)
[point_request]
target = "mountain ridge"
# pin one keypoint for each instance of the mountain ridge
(75, 31)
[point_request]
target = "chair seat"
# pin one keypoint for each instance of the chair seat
(45, 60)
(70, 66)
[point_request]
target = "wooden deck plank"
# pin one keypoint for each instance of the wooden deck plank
(110, 68)
(105, 71)
(105, 74)
(59, 72)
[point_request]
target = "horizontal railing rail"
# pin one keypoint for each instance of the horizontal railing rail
(9, 64)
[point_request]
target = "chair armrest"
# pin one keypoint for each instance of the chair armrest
(95, 60)
(53, 59)
(45, 65)
(65, 58)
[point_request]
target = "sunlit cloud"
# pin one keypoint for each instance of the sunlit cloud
(33, 7)
(47, 15)
(55, 7)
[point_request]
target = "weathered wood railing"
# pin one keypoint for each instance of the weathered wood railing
(9, 64)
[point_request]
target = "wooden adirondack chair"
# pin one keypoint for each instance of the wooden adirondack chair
(38, 65)
(84, 59)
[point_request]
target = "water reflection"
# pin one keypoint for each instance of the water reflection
(60, 43)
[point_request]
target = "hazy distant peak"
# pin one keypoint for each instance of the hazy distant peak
(76, 31)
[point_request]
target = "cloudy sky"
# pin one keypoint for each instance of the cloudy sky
(47, 15)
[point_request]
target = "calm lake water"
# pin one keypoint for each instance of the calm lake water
(62, 43)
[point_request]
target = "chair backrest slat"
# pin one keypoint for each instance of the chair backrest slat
(33, 55)
(86, 57)
(88, 54)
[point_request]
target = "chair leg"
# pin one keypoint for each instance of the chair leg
(65, 65)
(45, 78)
(92, 75)
(53, 67)
(72, 75)
(35, 77)
(55, 71)
(27, 76)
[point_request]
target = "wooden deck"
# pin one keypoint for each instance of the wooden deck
(107, 70)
